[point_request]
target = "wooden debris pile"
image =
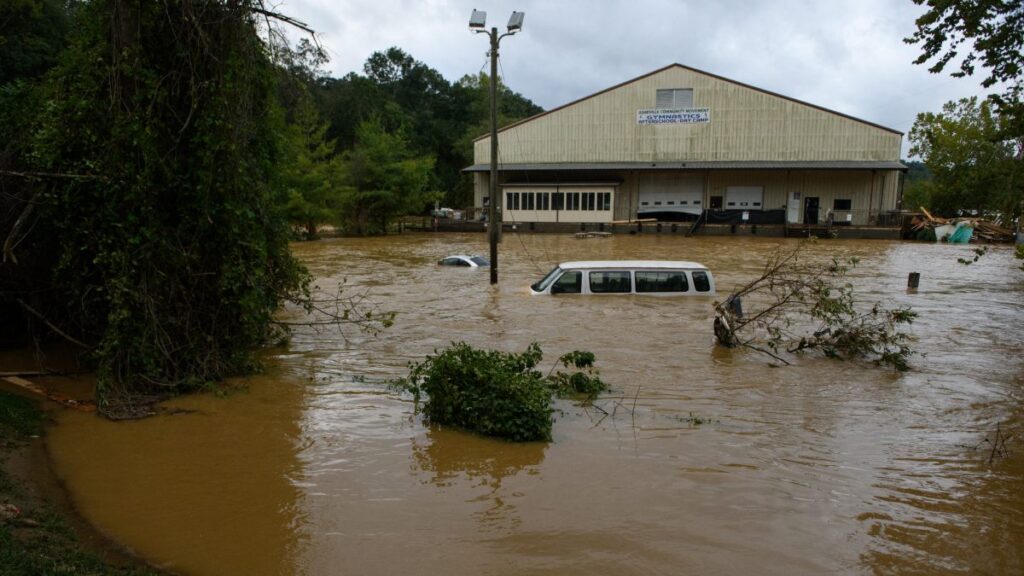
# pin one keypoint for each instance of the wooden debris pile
(930, 227)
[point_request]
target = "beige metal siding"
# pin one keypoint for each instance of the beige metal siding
(746, 124)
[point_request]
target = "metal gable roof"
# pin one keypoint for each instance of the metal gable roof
(676, 65)
(702, 165)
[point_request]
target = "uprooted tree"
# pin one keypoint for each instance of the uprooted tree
(798, 305)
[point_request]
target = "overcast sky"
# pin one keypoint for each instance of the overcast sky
(845, 55)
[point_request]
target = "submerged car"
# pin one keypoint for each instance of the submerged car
(464, 260)
(647, 277)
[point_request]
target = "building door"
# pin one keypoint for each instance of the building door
(811, 210)
(716, 202)
(744, 198)
(669, 196)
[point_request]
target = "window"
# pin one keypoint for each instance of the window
(675, 98)
(572, 201)
(512, 200)
(589, 201)
(838, 204)
(701, 282)
(543, 202)
(661, 282)
(528, 201)
(609, 282)
(558, 201)
(605, 200)
(480, 261)
(568, 283)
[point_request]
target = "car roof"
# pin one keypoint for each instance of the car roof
(633, 264)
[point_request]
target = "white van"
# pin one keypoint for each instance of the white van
(646, 277)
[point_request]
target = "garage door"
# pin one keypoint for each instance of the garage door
(744, 198)
(682, 193)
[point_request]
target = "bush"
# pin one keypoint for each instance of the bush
(497, 393)
(493, 393)
(582, 383)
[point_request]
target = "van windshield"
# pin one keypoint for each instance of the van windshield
(546, 280)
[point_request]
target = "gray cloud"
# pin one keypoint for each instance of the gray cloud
(846, 55)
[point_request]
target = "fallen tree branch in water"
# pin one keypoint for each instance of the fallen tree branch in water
(800, 306)
(338, 310)
(998, 444)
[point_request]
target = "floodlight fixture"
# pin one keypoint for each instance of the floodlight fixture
(478, 19)
(478, 23)
(515, 22)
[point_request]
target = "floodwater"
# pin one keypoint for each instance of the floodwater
(700, 461)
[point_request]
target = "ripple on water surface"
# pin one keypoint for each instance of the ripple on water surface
(700, 460)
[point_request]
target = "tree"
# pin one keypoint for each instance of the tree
(473, 93)
(995, 31)
(387, 179)
(974, 165)
(153, 147)
(311, 175)
(32, 35)
(439, 119)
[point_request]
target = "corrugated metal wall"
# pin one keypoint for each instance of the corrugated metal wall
(746, 124)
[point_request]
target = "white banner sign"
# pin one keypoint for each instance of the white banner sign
(674, 116)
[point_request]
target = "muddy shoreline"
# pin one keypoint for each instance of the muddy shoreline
(40, 489)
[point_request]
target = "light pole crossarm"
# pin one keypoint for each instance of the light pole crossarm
(477, 24)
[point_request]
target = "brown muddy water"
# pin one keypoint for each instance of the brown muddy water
(709, 462)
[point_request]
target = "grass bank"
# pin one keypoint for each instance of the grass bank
(39, 534)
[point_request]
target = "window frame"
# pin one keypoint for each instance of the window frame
(606, 279)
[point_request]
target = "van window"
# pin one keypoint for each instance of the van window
(701, 282)
(569, 283)
(662, 282)
(609, 282)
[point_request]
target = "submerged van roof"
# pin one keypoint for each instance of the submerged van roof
(632, 264)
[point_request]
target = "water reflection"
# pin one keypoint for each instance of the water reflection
(450, 457)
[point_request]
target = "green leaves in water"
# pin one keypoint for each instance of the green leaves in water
(498, 393)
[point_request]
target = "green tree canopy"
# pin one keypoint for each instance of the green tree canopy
(994, 30)
(439, 119)
(974, 166)
(32, 35)
(387, 177)
(151, 149)
(312, 175)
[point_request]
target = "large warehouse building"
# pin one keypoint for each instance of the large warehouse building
(679, 143)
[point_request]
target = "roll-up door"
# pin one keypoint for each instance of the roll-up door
(744, 198)
(662, 195)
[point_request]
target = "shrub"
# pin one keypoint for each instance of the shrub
(583, 382)
(496, 393)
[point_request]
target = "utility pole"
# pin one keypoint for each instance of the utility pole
(477, 23)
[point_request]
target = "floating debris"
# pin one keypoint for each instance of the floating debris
(593, 234)
(959, 230)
